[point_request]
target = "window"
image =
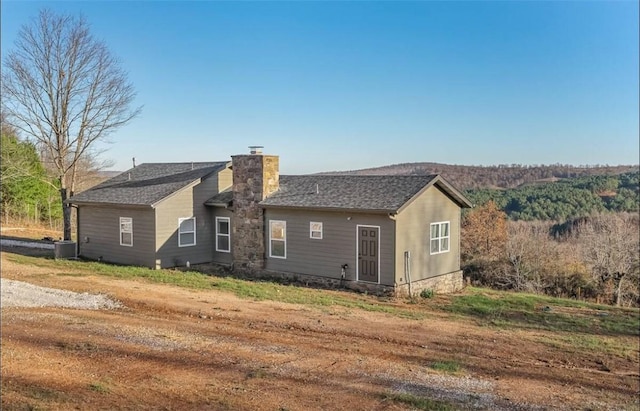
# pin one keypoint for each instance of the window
(277, 239)
(439, 237)
(186, 232)
(126, 231)
(223, 235)
(315, 230)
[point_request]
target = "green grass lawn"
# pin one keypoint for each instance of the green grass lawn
(530, 311)
(564, 324)
(506, 310)
(251, 289)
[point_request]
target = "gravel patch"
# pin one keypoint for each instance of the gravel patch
(21, 294)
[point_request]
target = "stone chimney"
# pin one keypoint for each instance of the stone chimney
(255, 176)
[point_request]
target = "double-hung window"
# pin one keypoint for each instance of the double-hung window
(439, 237)
(126, 231)
(186, 232)
(315, 230)
(277, 239)
(223, 236)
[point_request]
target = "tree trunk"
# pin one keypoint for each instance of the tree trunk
(619, 291)
(66, 215)
(50, 219)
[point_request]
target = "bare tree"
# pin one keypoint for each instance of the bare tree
(610, 244)
(63, 88)
(536, 262)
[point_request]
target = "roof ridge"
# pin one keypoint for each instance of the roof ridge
(376, 193)
(431, 176)
(186, 162)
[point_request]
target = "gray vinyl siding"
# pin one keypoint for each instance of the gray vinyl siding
(413, 231)
(186, 203)
(99, 235)
(220, 257)
(325, 257)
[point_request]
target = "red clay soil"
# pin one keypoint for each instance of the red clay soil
(172, 348)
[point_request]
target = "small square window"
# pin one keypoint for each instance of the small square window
(315, 230)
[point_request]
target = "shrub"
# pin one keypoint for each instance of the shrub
(427, 293)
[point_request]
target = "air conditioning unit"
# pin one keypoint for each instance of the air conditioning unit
(65, 250)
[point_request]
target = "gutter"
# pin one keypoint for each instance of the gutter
(101, 204)
(332, 209)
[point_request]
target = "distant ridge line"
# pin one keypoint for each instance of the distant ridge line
(505, 176)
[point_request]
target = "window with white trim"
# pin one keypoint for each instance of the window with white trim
(439, 237)
(126, 231)
(277, 239)
(315, 230)
(223, 234)
(186, 232)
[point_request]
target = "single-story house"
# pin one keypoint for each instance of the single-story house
(378, 233)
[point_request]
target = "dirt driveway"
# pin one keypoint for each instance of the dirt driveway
(172, 348)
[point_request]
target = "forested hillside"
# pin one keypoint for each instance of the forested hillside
(541, 192)
(565, 199)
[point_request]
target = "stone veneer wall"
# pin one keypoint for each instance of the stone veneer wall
(442, 284)
(255, 176)
(326, 282)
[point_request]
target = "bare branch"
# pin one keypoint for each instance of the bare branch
(62, 88)
(610, 246)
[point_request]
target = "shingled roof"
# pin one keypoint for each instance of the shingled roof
(222, 199)
(147, 184)
(349, 192)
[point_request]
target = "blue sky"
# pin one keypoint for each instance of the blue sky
(333, 85)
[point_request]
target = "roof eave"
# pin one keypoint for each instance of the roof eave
(451, 191)
(106, 204)
(176, 192)
(190, 184)
(460, 198)
(218, 204)
(331, 209)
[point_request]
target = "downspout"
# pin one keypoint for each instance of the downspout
(266, 242)
(407, 270)
(459, 230)
(77, 229)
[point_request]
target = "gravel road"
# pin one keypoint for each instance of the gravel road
(21, 294)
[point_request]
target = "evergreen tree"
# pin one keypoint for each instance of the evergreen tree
(565, 199)
(25, 190)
